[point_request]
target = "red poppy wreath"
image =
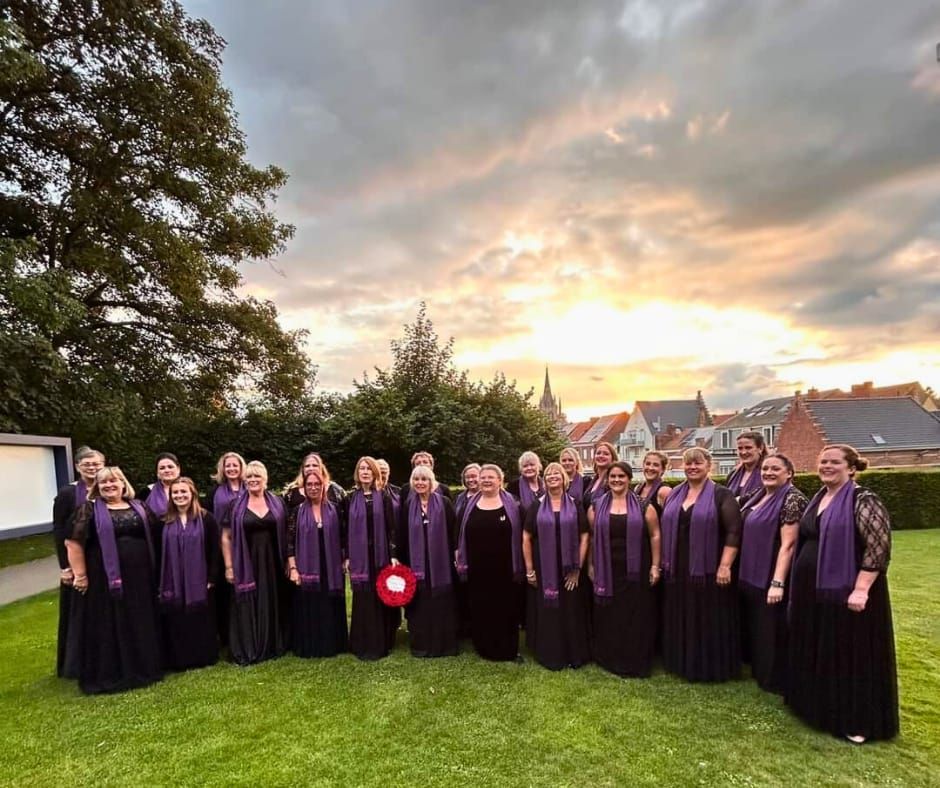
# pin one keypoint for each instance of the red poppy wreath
(396, 585)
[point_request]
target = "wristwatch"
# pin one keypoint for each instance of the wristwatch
(776, 584)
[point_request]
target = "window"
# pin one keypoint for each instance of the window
(726, 439)
(769, 435)
(878, 439)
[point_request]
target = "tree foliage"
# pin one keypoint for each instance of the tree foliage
(126, 205)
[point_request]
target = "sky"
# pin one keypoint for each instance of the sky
(652, 198)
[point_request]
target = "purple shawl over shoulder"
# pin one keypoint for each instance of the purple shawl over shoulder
(603, 571)
(157, 501)
(576, 487)
(222, 498)
(310, 564)
(515, 522)
(548, 548)
(703, 533)
(359, 537)
(184, 578)
(526, 496)
(740, 491)
(757, 539)
(241, 557)
(438, 548)
(104, 527)
(836, 565)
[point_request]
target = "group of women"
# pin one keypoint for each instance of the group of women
(592, 568)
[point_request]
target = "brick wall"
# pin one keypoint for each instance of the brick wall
(902, 458)
(800, 438)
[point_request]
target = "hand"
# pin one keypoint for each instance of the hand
(774, 595)
(80, 583)
(723, 575)
(210, 586)
(571, 580)
(346, 566)
(394, 562)
(66, 577)
(655, 574)
(293, 574)
(230, 575)
(858, 600)
(590, 571)
(532, 578)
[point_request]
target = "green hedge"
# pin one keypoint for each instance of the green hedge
(912, 497)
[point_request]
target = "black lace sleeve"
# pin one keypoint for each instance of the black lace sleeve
(729, 517)
(292, 532)
(873, 526)
(793, 507)
(81, 523)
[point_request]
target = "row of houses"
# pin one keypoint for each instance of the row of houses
(892, 426)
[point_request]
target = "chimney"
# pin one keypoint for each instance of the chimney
(862, 389)
(813, 393)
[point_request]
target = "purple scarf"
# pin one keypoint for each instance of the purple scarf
(545, 524)
(309, 561)
(740, 491)
(515, 522)
(184, 576)
(526, 496)
(603, 571)
(596, 492)
(836, 568)
(223, 497)
(359, 537)
(757, 539)
(651, 494)
(104, 526)
(703, 533)
(437, 548)
(157, 501)
(576, 487)
(81, 493)
(241, 556)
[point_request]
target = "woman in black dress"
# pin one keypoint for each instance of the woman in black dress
(554, 547)
(190, 560)
(701, 532)
(113, 634)
(429, 539)
(843, 674)
(771, 522)
(744, 480)
(254, 548)
(571, 461)
(605, 454)
(652, 490)
(370, 546)
(626, 565)
(294, 494)
(529, 487)
(470, 476)
(315, 566)
(67, 501)
(489, 559)
(229, 478)
(168, 470)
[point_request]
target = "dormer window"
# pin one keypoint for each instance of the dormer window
(876, 438)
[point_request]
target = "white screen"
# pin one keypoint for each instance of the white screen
(27, 485)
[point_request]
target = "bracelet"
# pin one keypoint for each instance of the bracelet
(776, 584)
(530, 573)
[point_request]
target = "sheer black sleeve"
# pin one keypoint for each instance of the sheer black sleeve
(292, 532)
(81, 523)
(793, 507)
(873, 526)
(729, 517)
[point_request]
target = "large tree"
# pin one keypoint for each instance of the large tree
(127, 204)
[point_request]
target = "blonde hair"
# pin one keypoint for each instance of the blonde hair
(663, 459)
(418, 454)
(300, 479)
(219, 476)
(489, 466)
(376, 473)
(573, 452)
(194, 510)
(106, 474)
(697, 453)
(423, 472)
(528, 456)
(557, 466)
(256, 468)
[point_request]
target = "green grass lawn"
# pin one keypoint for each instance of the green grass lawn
(25, 548)
(457, 721)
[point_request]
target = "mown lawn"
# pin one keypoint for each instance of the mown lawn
(25, 548)
(455, 721)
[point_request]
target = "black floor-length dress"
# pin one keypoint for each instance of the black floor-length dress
(318, 617)
(626, 623)
(63, 509)
(372, 625)
(701, 634)
(842, 667)
(493, 594)
(259, 619)
(114, 641)
(433, 622)
(558, 635)
(190, 634)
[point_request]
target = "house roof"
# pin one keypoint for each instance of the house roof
(765, 413)
(681, 412)
(720, 418)
(574, 430)
(605, 428)
(877, 423)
